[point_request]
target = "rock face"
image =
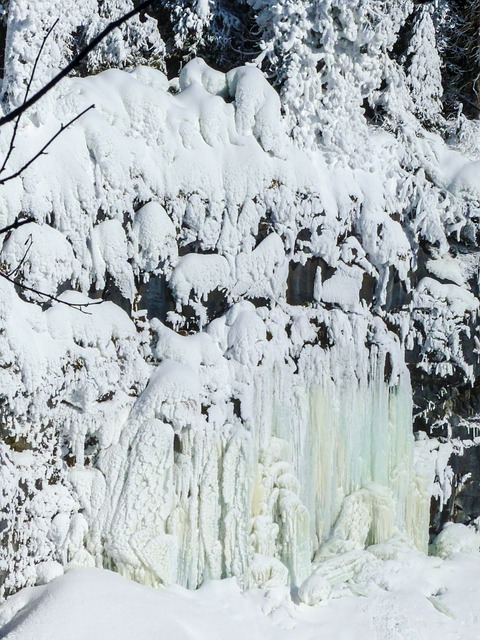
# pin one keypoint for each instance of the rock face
(222, 383)
(446, 394)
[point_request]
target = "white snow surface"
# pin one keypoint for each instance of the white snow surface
(397, 594)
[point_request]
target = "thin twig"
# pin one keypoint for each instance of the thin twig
(17, 223)
(17, 113)
(22, 261)
(75, 305)
(29, 85)
(45, 146)
(75, 62)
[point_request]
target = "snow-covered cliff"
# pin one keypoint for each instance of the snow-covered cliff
(269, 273)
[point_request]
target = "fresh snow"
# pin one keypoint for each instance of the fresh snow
(397, 594)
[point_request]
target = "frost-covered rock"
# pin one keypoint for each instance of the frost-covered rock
(314, 589)
(199, 275)
(110, 255)
(41, 256)
(154, 237)
(172, 394)
(48, 571)
(456, 538)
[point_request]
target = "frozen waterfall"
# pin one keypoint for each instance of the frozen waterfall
(294, 470)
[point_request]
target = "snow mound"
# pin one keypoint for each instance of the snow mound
(101, 605)
(456, 538)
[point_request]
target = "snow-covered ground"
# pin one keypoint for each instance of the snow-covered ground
(399, 595)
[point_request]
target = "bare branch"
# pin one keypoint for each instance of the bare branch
(17, 223)
(80, 306)
(11, 146)
(45, 146)
(75, 62)
(29, 244)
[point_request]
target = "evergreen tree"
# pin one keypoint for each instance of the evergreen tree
(136, 42)
(329, 60)
(458, 34)
(424, 74)
(222, 32)
(28, 21)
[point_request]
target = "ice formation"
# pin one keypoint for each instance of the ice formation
(235, 398)
(252, 417)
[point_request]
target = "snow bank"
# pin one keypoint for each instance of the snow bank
(396, 594)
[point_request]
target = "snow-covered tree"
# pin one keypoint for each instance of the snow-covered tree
(424, 67)
(136, 42)
(28, 22)
(76, 23)
(220, 31)
(329, 60)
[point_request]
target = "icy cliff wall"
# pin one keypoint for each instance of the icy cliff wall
(238, 401)
(236, 408)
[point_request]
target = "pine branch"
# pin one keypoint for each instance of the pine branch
(45, 147)
(75, 62)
